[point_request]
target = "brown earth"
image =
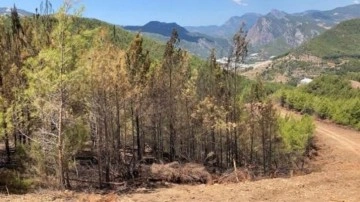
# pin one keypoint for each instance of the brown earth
(337, 178)
(355, 84)
(258, 69)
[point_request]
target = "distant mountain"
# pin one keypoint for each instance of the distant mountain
(164, 29)
(336, 51)
(278, 32)
(196, 43)
(7, 11)
(229, 28)
(335, 16)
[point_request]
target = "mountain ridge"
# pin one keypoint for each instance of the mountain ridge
(278, 32)
(196, 43)
(229, 27)
(7, 11)
(164, 29)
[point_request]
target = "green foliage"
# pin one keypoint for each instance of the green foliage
(295, 133)
(341, 41)
(331, 86)
(14, 179)
(77, 133)
(328, 96)
(40, 160)
(14, 182)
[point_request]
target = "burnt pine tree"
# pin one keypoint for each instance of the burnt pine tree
(171, 59)
(237, 56)
(137, 65)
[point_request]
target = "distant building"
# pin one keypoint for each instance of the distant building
(305, 81)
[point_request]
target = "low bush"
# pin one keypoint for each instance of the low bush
(12, 182)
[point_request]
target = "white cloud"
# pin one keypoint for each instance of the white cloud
(240, 2)
(356, 2)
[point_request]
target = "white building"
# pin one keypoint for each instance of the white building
(305, 81)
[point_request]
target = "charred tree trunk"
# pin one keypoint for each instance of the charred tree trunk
(118, 128)
(213, 143)
(172, 141)
(107, 141)
(60, 144)
(138, 137)
(7, 143)
(99, 152)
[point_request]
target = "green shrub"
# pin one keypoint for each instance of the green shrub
(11, 181)
(329, 97)
(296, 133)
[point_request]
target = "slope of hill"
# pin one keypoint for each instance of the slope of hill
(278, 32)
(336, 51)
(281, 30)
(339, 42)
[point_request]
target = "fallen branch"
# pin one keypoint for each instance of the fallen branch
(7, 190)
(94, 182)
(235, 171)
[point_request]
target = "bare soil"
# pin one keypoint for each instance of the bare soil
(258, 69)
(336, 178)
(355, 84)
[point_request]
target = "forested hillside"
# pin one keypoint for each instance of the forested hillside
(329, 97)
(334, 52)
(84, 101)
(338, 42)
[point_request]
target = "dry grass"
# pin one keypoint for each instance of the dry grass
(180, 173)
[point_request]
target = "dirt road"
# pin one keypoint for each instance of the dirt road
(338, 179)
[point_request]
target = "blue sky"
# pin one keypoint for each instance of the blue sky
(184, 12)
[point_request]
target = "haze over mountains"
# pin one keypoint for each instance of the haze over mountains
(7, 11)
(197, 43)
(272, 34)
(229, 28)
(269, 35)
(278, 32)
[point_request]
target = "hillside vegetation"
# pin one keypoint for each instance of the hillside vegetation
(329, 97)
(334, 52)
(340, 42)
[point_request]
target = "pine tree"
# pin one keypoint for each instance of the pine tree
(137, 65)
(174, 70)
(54, 80)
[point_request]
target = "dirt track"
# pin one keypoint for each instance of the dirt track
(338, 179)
